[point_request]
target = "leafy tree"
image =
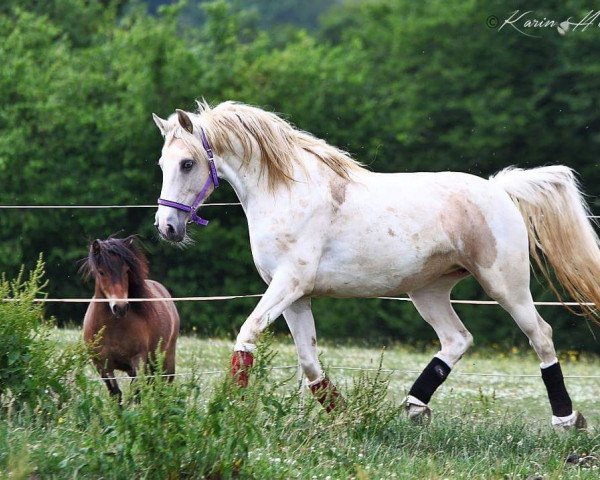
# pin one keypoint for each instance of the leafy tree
(403, 86)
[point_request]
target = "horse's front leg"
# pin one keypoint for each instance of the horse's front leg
(283, 290)
(301, 323)
(108, 375)
(134, 384)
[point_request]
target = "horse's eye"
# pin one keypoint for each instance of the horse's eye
(101, 272)
(187, 165)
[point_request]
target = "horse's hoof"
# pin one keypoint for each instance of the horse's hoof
(241, 363)
(585, 461)
(418, 414)
(578, 423)
(327, 395)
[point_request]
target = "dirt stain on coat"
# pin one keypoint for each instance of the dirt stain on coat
(468, 230)
(337, 188)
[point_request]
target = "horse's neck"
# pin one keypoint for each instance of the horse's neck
(242, 178)
(138, 290)
(250, 182)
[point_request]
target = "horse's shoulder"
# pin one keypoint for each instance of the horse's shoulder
(93, 322)
(157, 289)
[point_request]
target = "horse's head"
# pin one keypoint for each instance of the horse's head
(119, 270)
(189, 175)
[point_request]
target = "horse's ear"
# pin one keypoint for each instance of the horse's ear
(129, 241)
(160, 123)
(96, 247)
(184, 121)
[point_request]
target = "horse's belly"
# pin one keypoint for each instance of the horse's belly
(381, 273)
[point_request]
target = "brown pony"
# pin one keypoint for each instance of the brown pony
(125, 334)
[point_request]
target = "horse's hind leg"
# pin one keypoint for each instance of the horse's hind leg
(301, 323)
(509, 286)
(170, 365)
(433, 303)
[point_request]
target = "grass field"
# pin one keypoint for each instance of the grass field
(200, 427)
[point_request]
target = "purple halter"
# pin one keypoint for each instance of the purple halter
(212, 179)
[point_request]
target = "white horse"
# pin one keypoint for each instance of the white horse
(322, 225)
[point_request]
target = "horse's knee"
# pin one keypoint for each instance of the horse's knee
(248, 335)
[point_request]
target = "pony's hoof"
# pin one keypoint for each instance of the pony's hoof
(418, 414)
(578, 423)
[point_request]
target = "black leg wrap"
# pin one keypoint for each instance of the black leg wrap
(430, 379)
(557, 392)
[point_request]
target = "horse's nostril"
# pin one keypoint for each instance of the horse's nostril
(170, 229)
(120, 310)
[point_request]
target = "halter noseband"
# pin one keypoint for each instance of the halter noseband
(212, 179)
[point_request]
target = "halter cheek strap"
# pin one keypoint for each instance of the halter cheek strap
(212, 179)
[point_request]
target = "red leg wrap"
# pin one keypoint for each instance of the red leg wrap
(327, 395)
(241, 362)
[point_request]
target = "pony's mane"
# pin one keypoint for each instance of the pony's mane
(280, 144)
(109, 255)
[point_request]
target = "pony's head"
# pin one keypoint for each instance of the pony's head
(119, 269)
(187, 177)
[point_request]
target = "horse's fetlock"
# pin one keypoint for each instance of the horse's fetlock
(310, 369)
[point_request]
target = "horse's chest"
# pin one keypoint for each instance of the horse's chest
(119, 339)
(271, 251)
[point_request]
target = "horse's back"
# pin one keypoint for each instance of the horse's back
(398, 232)
(436, 202)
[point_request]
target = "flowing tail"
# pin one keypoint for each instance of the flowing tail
(560, 232)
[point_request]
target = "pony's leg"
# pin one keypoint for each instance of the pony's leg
(283, 290)
(509, 286)
(170, 365)
(111, 383)
(134, 384)
(433, 304)
(301, 323)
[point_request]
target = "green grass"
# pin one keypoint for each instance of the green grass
(201, 427)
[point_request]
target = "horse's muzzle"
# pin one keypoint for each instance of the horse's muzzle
(119, 310)
(172, 234)
(171, 228)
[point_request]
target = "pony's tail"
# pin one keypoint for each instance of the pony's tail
(560, 232)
